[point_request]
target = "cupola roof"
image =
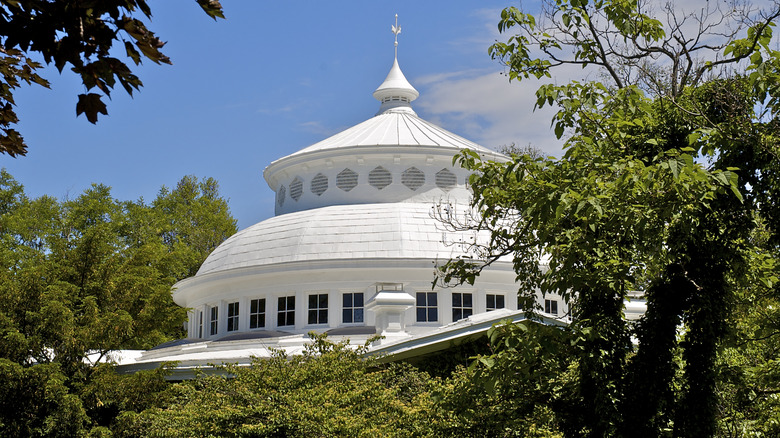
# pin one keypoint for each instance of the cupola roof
(396, 93)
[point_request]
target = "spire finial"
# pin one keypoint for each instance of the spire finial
(396, 30)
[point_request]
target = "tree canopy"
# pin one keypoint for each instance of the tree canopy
(329, 390)
(84, 277)
(669, 169)
(83, 35)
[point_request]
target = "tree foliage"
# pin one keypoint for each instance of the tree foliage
(670, 165)
(83, 35)
(334, 389)
(329, 390)
(84, 277)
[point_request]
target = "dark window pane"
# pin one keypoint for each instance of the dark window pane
(323, 317)
(312, 317)
(421, 299)
(491, 301)
(467, 312)
(433, 314)
(456, 300)
(359, 315)
(499, 302)
(290, 303)
(312, 301)
(253, 306)
(457, 314)
(347, 300)
(282, 303)
(359, 300)
(467, 300)
(323, 301)
(421, 314)
(346, 316)
(432, 301)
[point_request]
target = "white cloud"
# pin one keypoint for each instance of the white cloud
(316, 127)
(488, 109)
(485, 107)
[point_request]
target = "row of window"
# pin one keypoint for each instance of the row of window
(379, 178)
(462, 305)
(351, 310)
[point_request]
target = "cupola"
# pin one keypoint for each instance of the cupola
(396, 93)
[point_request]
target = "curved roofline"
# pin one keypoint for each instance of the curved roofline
(304, 157)
(311, 265)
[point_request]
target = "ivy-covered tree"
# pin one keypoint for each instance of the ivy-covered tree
(84, 36)
(670, 162)
(84, 277)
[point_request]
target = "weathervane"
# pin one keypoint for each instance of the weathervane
(396, 30)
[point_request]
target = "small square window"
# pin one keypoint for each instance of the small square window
(495, 302)
(232, 317)
(551, 307)
(352, 308)
(427, 307)
(214, 322)
(462, 306)
(257, 313)
(318, 309)
(286, 311)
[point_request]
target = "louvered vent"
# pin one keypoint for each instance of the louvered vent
(413, 178)
(296, 188)
(380, 177)
(319, 184)
(445, 179)
(347, 179)
(280, 194)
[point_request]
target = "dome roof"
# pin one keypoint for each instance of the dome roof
(394, 129)
(379, 219)
(404, 230)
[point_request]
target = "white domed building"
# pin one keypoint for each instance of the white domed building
(351, 252)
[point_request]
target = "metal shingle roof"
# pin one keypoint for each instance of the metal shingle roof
(391, 230)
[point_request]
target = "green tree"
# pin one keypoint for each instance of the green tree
(329, 390)
(80, 279)
(82, 35)
(190, 221)
(664, 172)
(516, 391)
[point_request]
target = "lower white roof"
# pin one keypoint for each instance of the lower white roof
(194, 356)
(402, 230)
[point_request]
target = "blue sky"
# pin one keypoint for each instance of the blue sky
(272, 78)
